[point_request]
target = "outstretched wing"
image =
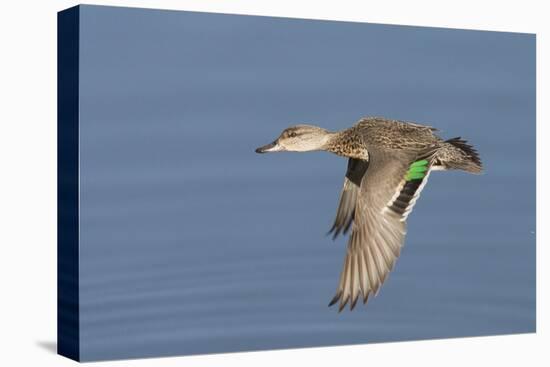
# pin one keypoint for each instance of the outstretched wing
(386, 196)
(348, 196)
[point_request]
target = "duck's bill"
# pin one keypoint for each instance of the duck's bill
(272, 147)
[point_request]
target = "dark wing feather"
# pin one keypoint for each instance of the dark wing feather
(348, 197)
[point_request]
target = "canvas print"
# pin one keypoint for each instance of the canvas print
(234, 183)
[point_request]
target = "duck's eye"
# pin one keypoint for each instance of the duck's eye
(292, 134)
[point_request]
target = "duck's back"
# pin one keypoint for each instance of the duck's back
(381, 133)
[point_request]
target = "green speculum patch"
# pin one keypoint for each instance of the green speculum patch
(417, 170)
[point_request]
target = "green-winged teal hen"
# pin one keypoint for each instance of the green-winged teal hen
(389, 164)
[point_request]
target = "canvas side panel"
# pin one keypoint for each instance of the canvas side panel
(68, 183)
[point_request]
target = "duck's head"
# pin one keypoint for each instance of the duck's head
(299, 138)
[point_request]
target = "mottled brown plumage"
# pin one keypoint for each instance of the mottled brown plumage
(389, 164)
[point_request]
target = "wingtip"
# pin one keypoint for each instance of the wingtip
(339, 229)
(334, 300)
(366, 298)
(333, 232)
(352, 304)
(348, 227)
(343, 304)
(341, 307)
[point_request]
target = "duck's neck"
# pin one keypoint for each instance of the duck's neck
(346, 144)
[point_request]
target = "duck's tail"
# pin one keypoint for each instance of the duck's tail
(456, 153)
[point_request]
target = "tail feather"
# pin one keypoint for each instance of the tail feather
(458, 154)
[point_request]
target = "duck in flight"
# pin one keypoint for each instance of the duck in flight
(389, 162)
